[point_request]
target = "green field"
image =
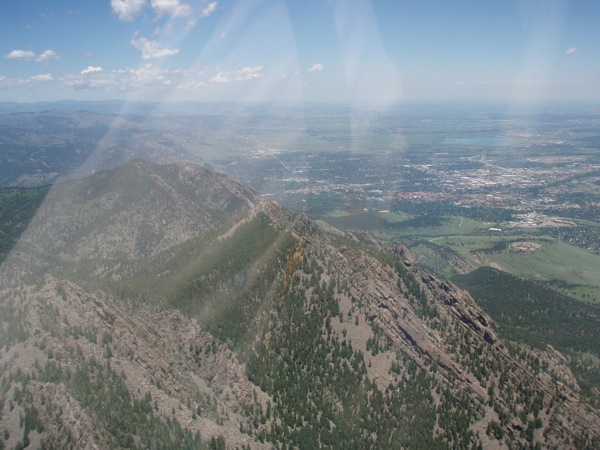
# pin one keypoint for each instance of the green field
(567, 269)
(555, 260)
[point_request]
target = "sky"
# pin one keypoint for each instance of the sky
(300, 50)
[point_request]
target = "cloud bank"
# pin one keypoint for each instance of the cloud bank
(19, 82)
(243, 74)
(151, 77)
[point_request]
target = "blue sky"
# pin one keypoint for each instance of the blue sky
(307, 50)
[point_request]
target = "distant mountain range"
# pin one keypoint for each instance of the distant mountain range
(166, 306)
(39, 148)
(42, 143)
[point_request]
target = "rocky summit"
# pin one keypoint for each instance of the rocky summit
(171, 307)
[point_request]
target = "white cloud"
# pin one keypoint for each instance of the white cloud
(147, 76)
(126, 9)
(243, 74)
(46, 55)
(150, 49)
(221, 77)
(91, 69)
(513, 82)
(316, 68)
(248, 73)
(571, 51)
(42, 77)
(27, 55)
(18, 82)
(173, 8)
(152, 78)
(191, 23)
(209, 9)
(191, 85)
(168, 28)
(460, 83)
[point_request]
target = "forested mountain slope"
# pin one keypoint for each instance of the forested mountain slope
(170, 307)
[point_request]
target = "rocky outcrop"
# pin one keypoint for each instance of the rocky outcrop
(435, 334)
(66, 423)
(387, 318)
(159, 353)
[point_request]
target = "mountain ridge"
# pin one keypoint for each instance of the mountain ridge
(255, 327)
(117, 210)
